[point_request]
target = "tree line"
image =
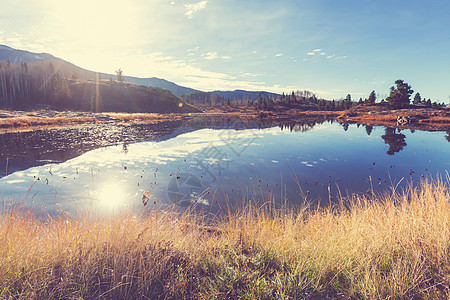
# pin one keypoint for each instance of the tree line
(24, 85)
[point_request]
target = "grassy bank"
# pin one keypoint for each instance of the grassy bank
(392, 246)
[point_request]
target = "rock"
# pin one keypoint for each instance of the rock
(403, 120)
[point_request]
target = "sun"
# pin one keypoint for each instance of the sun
(95, 27)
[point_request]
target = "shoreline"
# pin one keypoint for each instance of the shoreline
(427, 119)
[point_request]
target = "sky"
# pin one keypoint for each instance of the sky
(330, 47)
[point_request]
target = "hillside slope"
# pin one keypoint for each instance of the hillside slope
(27, 86)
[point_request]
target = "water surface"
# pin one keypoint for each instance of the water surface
(211, 165)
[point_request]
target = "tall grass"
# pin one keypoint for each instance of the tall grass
(392, 246)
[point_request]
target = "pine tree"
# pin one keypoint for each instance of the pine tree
(417, 99)
(400, 95)
(372, 98)
(119, 74)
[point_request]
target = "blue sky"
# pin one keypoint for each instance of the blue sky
(331, 47)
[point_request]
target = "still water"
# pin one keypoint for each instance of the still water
(210, 165)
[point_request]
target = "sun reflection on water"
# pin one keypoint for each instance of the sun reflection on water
(111, 197)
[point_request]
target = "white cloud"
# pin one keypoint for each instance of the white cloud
(310, 53)
(323, 53)
(278, 55)
(192, 8)
(377, 81)
(210, 55)
(331, 56)
(317, 50)
(193, 49)
(213, 55)
(251, 75)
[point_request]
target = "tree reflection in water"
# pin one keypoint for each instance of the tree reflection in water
(396, 141)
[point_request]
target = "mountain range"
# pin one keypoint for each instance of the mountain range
(16, 56)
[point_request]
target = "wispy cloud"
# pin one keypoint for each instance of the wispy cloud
(321, 52)
(213, 55)
(278, 55)
(193, 49)
(192, 8)
(250, 74)
(377, 81)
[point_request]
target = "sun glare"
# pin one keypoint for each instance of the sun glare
(95, 27)
(111, 197)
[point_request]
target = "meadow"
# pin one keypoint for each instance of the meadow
(392, 245)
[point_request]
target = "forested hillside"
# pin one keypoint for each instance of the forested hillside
(62, 86)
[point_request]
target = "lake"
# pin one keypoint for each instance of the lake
(210, 164)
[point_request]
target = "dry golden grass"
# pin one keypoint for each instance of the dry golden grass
(27, 121)
(392, 246)
(38, 122)
(140, 117)
(437, 120)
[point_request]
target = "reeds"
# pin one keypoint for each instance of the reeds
(395, 245)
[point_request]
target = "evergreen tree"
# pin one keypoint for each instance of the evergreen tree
(400, 95)
(372, 98)
(348, 101)
(119, 74)
(417, 99)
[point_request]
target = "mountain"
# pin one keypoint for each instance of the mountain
(245, 95)
(155, 82)
(66, 68)
(15, 56)
(30, 80)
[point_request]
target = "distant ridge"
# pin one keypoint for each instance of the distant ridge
(16, 56)
(241, 94)
(159, 83)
